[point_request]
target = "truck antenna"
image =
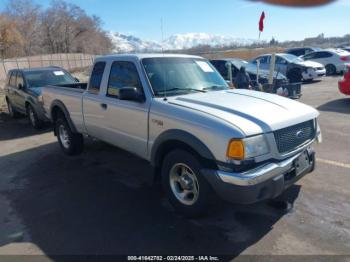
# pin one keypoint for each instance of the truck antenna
(162, 46)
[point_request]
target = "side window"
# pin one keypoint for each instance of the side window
(123, 74)
(327, 54)
(96, 77)
(280, 60)
(221, 67)
(264, 59)
(310, 56)
(13, 79)
(323, 55)
(19, 80)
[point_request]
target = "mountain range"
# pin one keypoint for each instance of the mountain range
(123, 43)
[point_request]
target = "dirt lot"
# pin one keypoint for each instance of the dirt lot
(102, 202)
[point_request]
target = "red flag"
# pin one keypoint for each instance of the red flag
(261, 22)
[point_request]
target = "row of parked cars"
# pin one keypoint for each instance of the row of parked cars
(334, 60)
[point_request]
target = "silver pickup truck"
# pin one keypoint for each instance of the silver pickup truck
(201, 137)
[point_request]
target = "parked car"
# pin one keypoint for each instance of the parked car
(345, 48)
(280, 81)
(23, 91)
(293, 67)
(344, 83)
(300, 51)
(200, 137)
(334, 60)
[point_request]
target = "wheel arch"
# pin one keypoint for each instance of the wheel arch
(57, 108)
(179, 139)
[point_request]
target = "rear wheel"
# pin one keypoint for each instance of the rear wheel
(33, 118)
(331, 70)
(71, 143)
(187, 190)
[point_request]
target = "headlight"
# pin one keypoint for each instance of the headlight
(246, 148)
(318, 134)
(310, 69)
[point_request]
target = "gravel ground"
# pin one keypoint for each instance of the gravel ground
(103, 202)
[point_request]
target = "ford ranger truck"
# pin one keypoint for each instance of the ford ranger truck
(202, 138)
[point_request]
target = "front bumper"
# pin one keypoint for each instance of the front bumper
(265, 182)
(310, 75)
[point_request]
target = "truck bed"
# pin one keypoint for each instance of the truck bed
(70, 96)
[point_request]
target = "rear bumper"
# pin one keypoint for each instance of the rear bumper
(262, 183)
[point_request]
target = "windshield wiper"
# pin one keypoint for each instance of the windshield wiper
(181, 89)
(214, 87)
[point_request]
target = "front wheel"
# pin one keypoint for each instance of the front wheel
(71, 143)
(187, 190)
(331, 70)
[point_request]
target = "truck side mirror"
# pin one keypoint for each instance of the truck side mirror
(20, 86)
(131, 94)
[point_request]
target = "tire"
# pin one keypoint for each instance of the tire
(294, 76)
(331, 70)
(70, 143)
(187, 190)
(12, 111)
(33, 118)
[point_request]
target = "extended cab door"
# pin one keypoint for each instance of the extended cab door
(119, 122)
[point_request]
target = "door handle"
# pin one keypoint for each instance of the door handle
(104, 106)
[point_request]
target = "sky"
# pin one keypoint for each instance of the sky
(237, 18)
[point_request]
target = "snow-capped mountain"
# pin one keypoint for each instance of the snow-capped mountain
(128, 43)
(190, 40)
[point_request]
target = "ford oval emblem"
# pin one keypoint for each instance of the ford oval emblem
(300, 134)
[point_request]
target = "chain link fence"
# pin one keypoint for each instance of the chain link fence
(66, 61)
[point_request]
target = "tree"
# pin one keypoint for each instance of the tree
(11, 41)
(26, 15)
(67, 28)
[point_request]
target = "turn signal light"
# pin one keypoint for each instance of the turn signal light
(235, 149)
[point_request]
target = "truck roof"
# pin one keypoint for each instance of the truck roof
(141, 56)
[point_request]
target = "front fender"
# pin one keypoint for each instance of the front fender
(183, 137)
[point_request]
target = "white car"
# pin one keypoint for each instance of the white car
(295, 68)
(335, 60)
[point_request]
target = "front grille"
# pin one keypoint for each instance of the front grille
(289, 138)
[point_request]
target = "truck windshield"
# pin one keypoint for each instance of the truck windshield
(42, 78)
(177, 75)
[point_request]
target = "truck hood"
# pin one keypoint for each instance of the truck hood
(250, 111)
(310, 64)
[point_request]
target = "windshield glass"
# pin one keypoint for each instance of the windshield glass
(173, 76)
(238, 63)
(41, 78)
(292, 58)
